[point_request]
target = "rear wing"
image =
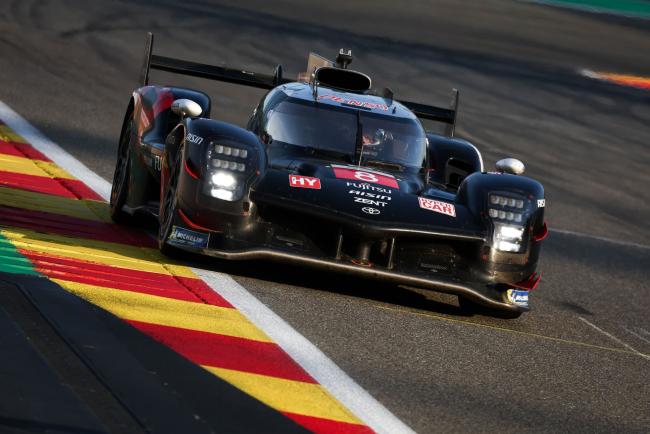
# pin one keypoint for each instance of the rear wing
(269, 81)
(220, 73)
(438, 114)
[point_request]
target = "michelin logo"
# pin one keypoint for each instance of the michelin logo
(518, 297)
(186, 237)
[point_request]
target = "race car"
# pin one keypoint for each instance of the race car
(332, 174)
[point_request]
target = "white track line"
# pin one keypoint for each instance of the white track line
(317, 364)
(604, 239)
(314, 361)
(632, 332)
(642, 330)
(614, 338)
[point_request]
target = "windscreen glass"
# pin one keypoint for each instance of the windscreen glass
(347, 134)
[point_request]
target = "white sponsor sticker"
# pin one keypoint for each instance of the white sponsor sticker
(437, 206)
(541, 203)
(518, 297)
(300, 181)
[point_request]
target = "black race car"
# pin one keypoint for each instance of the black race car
(331, 174)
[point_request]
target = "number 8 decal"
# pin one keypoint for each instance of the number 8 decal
(365, 176)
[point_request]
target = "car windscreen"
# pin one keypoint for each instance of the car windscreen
(391, 142)
(347, 131)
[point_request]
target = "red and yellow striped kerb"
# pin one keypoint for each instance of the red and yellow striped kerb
(63, 231)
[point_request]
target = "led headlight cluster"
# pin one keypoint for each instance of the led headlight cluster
(227, 166)
(230, 151)
(230, 165)
(506, 208)
(509, 214)
(511, 202)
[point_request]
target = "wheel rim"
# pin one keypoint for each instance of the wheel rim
(119, 177)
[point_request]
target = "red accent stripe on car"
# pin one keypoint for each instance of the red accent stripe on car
(327, 426)
(220, 351)
(193, 225)
(542, 234)
(164, 100)
(189, 170)
(530, 283)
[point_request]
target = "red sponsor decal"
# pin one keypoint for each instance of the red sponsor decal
(304, 182)
(365, 176)
(437, 206)
(354, 102)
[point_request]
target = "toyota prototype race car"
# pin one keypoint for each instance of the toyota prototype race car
(331, 174)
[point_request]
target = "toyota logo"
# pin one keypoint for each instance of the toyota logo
(369, 210)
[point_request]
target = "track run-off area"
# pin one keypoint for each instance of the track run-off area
(331, 353)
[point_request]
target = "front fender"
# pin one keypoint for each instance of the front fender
(475, 191)
(199, 142)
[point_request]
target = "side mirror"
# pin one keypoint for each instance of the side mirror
(511, 165)
(186, 107)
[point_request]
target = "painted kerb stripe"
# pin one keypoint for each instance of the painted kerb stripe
(312, 360)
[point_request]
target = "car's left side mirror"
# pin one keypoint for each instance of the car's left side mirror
(186, 107)
(511, 165)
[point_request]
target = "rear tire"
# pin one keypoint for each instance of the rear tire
(120, 187)
(168, 209)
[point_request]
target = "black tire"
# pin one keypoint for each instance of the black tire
(120, 187)
(168, 208)
(470, 308)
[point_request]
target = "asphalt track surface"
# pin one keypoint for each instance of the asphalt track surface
(579, 361)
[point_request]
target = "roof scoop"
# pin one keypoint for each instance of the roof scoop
(343, 79)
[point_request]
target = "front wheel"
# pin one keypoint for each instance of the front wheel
(168, 209)
(120, 187)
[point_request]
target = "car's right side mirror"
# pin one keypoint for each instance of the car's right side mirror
(186, 107)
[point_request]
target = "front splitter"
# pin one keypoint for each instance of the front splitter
(481, 294)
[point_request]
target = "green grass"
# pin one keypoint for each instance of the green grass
(634, 8)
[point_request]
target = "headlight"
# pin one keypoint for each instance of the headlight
(509, 214)
(229, 167)
(221, 193)
(506, 208)
(224, 180)
(507, 238)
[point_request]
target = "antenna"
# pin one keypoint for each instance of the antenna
(144, 71)
(344, 58)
